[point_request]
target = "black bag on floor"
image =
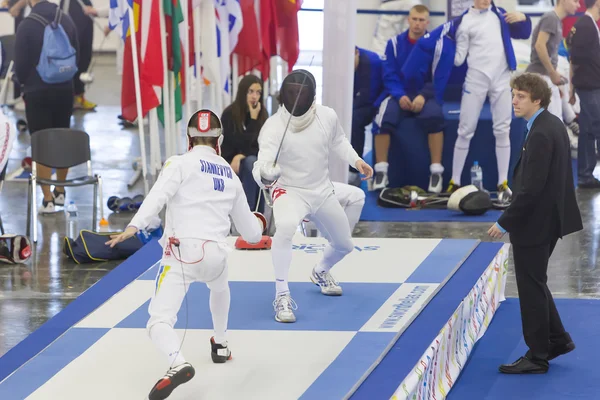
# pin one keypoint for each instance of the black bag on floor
(90, 247)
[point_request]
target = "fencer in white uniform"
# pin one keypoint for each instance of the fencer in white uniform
(300, 184)
(480, 42)
(201, 193)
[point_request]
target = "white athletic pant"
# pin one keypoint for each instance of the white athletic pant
(352, 200)
(556, 105)
(202, 262)
(476, 88)
(290, 207)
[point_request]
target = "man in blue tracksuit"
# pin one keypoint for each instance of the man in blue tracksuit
(368, 94)
(483, 39)
(408, 98)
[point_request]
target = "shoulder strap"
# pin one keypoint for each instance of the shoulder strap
(39, 18)
(58, 16)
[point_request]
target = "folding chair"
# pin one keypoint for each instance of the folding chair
(2, 175)
(61, 148)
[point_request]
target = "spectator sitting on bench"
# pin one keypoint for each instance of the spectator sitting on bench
(408, 99)
(368, 95)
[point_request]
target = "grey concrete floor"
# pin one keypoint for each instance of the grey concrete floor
(32, 293)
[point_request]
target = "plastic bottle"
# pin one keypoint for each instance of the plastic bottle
(477, 176)
(72, 220)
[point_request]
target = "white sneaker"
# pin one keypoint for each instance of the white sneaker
(284, 307)
(380, 181)
(329, 286)
(47, 208)
(174, 377)
(435, 183)
(59, 198)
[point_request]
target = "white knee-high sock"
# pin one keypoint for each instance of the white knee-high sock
(281, 251)
(166, 340)
(503, 157)
(219, 309)
(461, 150)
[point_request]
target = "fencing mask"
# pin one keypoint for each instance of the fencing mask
(205, 123)
(14, 249)
(470, 201)
(298, 86)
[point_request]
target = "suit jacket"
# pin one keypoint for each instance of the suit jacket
(544, 206)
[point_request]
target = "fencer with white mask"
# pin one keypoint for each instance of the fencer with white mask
(201, 193)
(295, 145)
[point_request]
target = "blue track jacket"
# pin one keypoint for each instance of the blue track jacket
(368, 80)
(435, 52)
(397, 52)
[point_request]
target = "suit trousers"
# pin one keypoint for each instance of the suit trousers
(542, 326)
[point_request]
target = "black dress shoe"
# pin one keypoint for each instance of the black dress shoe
(560, 349)
(524, 366)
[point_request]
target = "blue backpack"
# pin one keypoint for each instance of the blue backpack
(58, 59)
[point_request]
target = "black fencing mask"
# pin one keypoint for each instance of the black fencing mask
(470, 201)
(298, 86)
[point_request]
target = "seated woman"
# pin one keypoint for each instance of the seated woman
(242, 121)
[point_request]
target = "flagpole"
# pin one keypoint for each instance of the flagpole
(186, 57)
(138, 96)
(235, 74)
(166, 98)
(198, 46)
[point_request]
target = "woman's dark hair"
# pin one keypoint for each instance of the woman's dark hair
(239, 108)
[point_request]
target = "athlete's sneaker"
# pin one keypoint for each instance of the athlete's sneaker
(47, 207)
(174, 377)
(380, 181)
(329, 286)
(504, 193)
(452, 187)
(59, 198)
(80, 103)
(435, 183)
(284, 307)
(220, 353)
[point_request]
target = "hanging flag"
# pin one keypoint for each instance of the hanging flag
(175, 55)
(190, 20)
(287, 32)
(248, 47)
(128, 96)
(118, 16)
(151, 51)
(268, 35)
(208, 43)
(229, 26)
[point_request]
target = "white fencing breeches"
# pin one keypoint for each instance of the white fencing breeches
(556, 106)
(290, 207)
(476, 88)
(202, 262)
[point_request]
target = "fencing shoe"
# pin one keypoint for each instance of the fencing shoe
(380, 181)
(174, 377)
(435, 183)
(329, 286)
(452, 187)
(220, 353)
(504, 193)
(284, 307)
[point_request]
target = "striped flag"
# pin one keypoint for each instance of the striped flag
(229, 25)
(147, 77)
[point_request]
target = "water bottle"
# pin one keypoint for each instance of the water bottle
(72, 220)
(477, 176)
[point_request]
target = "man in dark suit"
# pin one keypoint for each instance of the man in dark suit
(543, 209)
